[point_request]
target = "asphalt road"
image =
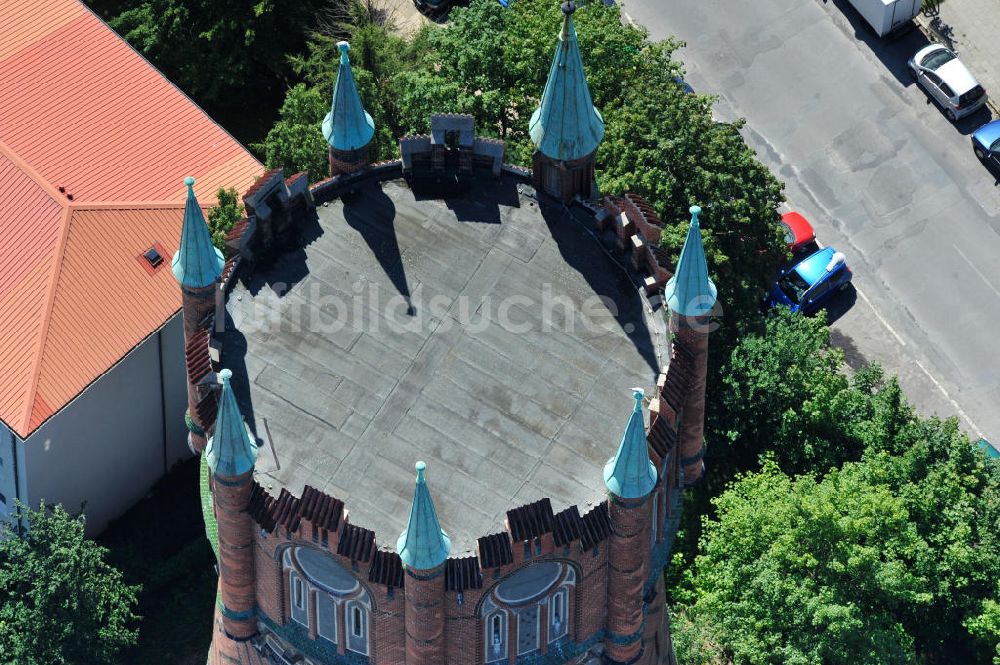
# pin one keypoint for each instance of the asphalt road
(881, 173)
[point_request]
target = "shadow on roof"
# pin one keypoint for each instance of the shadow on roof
(372, 214)
(288, 266)
(583, 253)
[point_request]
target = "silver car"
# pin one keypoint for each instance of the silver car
(948, 81)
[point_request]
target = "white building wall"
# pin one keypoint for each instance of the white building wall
(107, 448)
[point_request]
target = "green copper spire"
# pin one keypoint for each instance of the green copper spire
(197, 262)
(230, 451)
(566, 126)
(690, 292)
(630, 474)
(347, 126)
(423, 545)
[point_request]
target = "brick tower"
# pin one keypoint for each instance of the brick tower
(197, 266)
(423, 548)
(231, 456)
(630, 477)
(691, 296)
(565, 128)
(348, 128)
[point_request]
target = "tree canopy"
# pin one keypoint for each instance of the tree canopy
(869, 534)
(212, 48)
(60, 601)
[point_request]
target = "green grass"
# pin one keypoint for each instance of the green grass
(160, 543)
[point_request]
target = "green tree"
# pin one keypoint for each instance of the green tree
(212, 48)
(60, 602)
(295, 143)
(785, 391)
(890, 559)
(223, 216)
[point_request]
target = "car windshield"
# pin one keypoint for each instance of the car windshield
(789, 234)
(996, 146)
(971, 95)
(793, 286)
(934, 60)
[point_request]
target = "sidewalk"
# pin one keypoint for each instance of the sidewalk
(972, 29)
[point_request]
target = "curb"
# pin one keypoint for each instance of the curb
(934, 36)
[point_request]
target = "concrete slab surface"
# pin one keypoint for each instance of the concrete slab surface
(493, 339)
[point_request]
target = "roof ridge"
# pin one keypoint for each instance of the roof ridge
(50, 299)
(129, 205)
(30, 171)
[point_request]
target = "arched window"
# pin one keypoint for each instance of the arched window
(326, 617)
(339, 596)
(496, 637)
(535, 595)
(300, 603)
(357, 627)
(558, 624)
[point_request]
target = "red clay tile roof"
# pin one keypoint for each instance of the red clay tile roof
(80, 110)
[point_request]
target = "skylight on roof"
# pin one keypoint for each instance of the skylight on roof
(153, 257)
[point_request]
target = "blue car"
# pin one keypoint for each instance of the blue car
(986, 143)
(808, 284)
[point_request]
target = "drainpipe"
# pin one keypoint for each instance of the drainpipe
(163, 399)
(17, 475)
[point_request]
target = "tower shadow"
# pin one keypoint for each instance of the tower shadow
(583, 253)
(371, 213)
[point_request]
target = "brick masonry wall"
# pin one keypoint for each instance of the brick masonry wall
(236, 555)
(349, 161)
(388, 629)
(692, 333)
(628, 567)
(196, 306)
(425, 638)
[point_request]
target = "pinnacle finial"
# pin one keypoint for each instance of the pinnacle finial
(568, 7)
(343, 47)
(230, 451)
(695, 211)
(630, 474)
(690, 292)
(423, 545)
(197, 263)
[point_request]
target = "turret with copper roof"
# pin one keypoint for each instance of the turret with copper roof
(197, 266)
(347, 128)
(231, 456)
(423, 547)
(630, 477)
(691, 296)
(566, 128)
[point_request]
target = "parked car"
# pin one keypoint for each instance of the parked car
(808, 284)
(947, 81)
(888, 16)
(685, 86)
(986, 143)
(799, 233)
(433, 8)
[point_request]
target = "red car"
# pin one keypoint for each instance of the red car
(798, 232)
